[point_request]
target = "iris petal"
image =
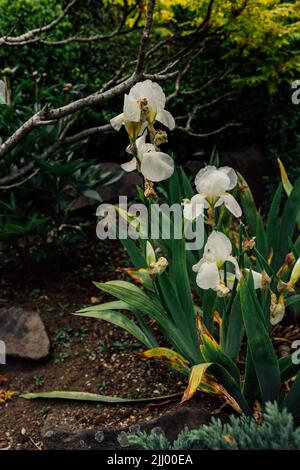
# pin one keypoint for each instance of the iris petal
(157, 166)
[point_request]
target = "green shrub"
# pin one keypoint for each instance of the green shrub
(276, 432)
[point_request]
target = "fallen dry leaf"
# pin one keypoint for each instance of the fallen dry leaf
(5, 395)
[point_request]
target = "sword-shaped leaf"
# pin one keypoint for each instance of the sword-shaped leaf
(86, 396)
(171, 357)
(212, 352)
(118, 319)
(261, 348)
(195, 379)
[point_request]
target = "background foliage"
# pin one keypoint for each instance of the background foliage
(263, 41)
(255, 50)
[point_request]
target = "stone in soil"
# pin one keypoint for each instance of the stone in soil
(23, 333)
(192, 415)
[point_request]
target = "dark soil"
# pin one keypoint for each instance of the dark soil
(86, 354)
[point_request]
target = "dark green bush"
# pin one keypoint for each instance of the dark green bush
(276, 432)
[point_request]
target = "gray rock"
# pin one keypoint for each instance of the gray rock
(125, 186)
(23, 333)
(192, 415)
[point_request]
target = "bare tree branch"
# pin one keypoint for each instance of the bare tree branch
(46, 115)
(145, 37)
(167, 67)
(19, 183)
(97, 37)
(184, 71)
(6, 182)
(33, 35)
(208, 134)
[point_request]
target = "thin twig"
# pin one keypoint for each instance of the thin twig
(211, 133)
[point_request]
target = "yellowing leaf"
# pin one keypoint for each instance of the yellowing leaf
(172, 358)
(220, 390)
(217, 319)
(202, 328)
(139, 275)
(195, 380)
(284, 178)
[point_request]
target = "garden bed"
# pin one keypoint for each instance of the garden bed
(86, 354)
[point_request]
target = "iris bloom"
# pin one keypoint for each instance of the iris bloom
(260, 281)
(143, 105)
(154, 166)
(295, 275)
(212, 185)
(217, 252)
(277, 309)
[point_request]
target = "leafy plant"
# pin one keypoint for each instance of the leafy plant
(213, 305)
(38, 381)
(40, 208)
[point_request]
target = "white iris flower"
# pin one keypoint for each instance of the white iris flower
(217, 252)
(154, 166)
(258, 279)
(212, 185)
(143, 105)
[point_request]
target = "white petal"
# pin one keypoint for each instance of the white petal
(231, 204)
(143, 127)
(166, 119)
(143, 147)
(157, 166)
(203, 171)
(218, 247)
(212, 181)
(219, 202)
(232, 260)
(117, 122)
(158, 94)
(257, 279)
(276, 316)
(196, 266)
(129, 149)
(152, 92)
(208, 276)
(277, 310)
(201, 174)
(230, 278)
(141, 140)
(194, 208)
(231, 175)
(130, 166)
(132, 110)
